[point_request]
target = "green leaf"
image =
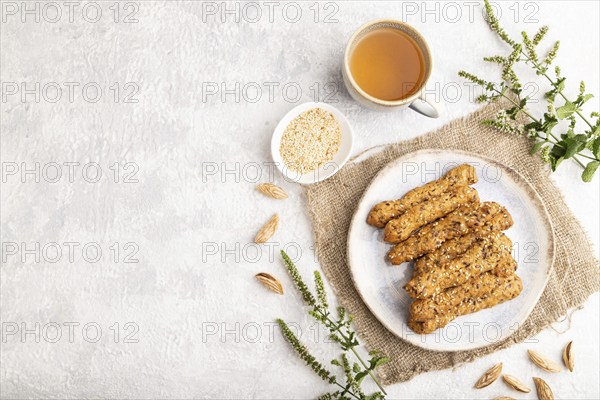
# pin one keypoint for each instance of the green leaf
(523, 103)
(550, 122)
(566, 111)
(511, 112)
(560, 84)
(381, 361)
(548, 126)
(557, 155)
(590, 145)
(356, 367)
(584, 98)
(536, 147)
(558, 150)
(533, 125)
(573, 148)
(555, 162)
(360, 376)
(572, 145)
(590, 170)
(551, 95)
(596, 147)
(377, 361)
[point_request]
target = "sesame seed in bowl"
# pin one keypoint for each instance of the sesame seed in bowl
(311, 143)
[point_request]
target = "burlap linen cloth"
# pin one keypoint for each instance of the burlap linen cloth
(331, 203)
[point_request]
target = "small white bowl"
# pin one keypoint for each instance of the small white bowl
(326, 170)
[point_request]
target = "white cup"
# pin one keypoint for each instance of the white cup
(416, 101)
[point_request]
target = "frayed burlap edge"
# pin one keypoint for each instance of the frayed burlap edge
(331, 204)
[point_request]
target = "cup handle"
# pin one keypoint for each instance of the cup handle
(424, 107)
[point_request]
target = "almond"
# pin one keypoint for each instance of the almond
(268, 230)
(272, 190)
(543, 362)
(568, 356)
(543, 390)
(489, 376)
(270, 282)
(515, 383)
(504, 398)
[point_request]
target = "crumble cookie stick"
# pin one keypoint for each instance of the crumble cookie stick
(482, 257)
(500, 221)
(385, 211)
(447, 251)
(453, 248)
(436, 281)
(510, 288)
(399, 229)
(463, 220)
(431, 325)
(445, 302)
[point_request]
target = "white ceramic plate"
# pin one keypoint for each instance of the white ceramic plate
(380, 283)
(328, 169)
